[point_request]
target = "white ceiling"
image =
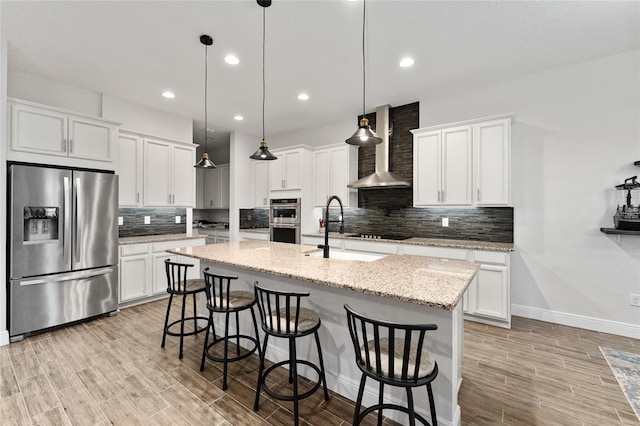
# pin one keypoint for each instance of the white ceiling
(135, 50)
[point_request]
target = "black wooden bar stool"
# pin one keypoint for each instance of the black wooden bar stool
(282, 316)
(179, 285)
(393, 354)
(220, 299)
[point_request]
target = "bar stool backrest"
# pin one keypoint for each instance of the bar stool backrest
(176, 276)
(218, 289)
(389, 350)
(279, 310)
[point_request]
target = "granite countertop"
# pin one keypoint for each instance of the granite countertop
(157, 238)
(434, 242)
(415, 279)
(256, 230)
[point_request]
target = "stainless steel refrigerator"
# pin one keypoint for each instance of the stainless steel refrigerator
(63, 246)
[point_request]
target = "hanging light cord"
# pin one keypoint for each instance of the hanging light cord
(263, 44)
(364, 75)
(206, 74)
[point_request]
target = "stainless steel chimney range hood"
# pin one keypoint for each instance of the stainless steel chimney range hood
(382, 178)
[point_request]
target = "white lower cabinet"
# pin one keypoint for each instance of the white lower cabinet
(487, 299)
(142, 270)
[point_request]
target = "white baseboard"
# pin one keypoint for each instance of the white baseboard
(4, 338)
(580, 321)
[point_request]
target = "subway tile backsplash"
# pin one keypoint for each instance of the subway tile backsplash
(162, 221)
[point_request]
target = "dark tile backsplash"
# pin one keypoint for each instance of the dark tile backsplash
(254, 218)
(477, 224)
(403, 119)
(163, 221)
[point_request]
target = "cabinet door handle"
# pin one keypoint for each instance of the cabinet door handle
(70, 146)
(169, 198)
(137, 197)
(478, 197)
(438, 195)
(173, 198)
(64, 145)
(442, 196)
(210, 203)
(264, 201)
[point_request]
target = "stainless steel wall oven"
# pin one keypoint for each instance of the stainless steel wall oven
(284, 220)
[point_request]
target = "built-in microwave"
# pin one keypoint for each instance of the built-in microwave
(284, 220)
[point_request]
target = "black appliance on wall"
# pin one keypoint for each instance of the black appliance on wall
(284, 220)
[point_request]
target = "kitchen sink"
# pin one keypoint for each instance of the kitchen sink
(349, 255)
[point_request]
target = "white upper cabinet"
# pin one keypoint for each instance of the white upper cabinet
(442, 167)
(285, 173)
(492, 162)
(334, 168)
(463, 164)
(130, 170)
(261, 183)
(169, 175)
(215, 187)
(44, 134)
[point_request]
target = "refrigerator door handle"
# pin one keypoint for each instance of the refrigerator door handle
(66, 230)
(74, 276)
(77, 225)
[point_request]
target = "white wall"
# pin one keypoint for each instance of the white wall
(241, 146)
(144, 119)
(4, 334)
(576, 135)
(48, 92)
(324, 134)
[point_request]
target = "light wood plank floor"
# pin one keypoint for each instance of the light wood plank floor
(112, 371)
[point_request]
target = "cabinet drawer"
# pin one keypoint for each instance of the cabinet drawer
(168, 245)
(134, 249)
(440, 252)
(372, 247)
(491, 257)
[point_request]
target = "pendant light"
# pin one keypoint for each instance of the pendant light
(205, 163)
(263, 152)
(364, 136)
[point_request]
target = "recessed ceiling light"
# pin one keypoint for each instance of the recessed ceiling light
(169, 95)
(231, 60)
(303, 96)
(238, 117)
(406, 62)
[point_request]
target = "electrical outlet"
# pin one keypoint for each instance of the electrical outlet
(147, 220)
(635, 299)
(178, 219)
(120, 221)
(445, 221)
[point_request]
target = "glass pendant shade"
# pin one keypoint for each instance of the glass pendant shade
(205, 163)
(364, 136)
(263, 153)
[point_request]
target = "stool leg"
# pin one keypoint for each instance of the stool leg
(166, 320)
(323, 378)
(237, 333)
(206, 340)
(356, 413)
(293, 371)
(255, 328)
(432, 406)
(184, 303)
(380, 401)
(412, 413)
(195, 315)
(256, 404)
(226, 351)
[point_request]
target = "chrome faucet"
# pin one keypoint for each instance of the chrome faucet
(340, 220)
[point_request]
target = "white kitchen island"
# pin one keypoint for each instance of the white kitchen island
(410, 289)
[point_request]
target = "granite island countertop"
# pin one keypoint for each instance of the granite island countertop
(434, 242)
(415, 279)
(145, 239)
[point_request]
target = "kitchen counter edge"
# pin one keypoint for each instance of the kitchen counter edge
(145, 239)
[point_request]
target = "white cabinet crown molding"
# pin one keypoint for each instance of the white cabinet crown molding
(61, 110)
(511, 116)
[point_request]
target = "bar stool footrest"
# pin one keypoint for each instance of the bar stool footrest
(405, 410)
(191, 333)
(238, 357)
(291, 397)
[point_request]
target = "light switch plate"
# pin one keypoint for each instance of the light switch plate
(147, 220)
(178, 219)
(120, 221)
(445, 221)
